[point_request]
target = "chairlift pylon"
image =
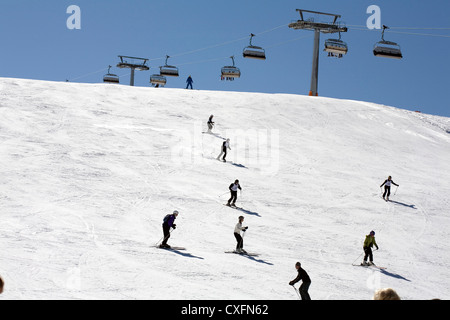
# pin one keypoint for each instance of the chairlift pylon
(229, 73)
(169, 71)
(110, 77)
(254, 52)
(387, 49)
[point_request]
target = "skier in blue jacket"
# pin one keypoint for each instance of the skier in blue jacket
(189, 82)
(168, 223)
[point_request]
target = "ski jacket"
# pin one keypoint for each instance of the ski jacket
(211, 120)
(225, 146)
(370, 242)
(189, 80)
(234, 187)
(169, 220)
(388, 182)
(302, 275)
(239, 228)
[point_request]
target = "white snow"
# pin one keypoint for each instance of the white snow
(89, 171)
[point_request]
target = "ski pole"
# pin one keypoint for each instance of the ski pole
(396, 191)
(164, 238)
(223, 194)
(359, 257)
(296, 291)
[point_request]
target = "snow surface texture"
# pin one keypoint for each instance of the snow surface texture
(89, 171)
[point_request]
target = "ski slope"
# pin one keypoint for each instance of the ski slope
(89, 171)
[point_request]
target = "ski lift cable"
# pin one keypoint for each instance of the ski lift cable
(364, 28)
(88, 74)
(202, 61)
(408, 33)
(288, 41)
(407, 28)
(219, 44)
(223, 58)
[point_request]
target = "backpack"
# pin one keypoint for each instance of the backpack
(166, 218)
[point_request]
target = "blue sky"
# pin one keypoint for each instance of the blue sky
(36, 44)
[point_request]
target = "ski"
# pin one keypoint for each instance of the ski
(171, 248)
(243, 253)
(368, 266)
(233, 207)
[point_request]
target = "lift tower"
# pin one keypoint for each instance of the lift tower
(317, 27)
(133, 63)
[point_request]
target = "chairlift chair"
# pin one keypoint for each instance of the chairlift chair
(110, 77)
(387, 49)
(254, 52)
(157, 79)
(336, 48)
(229, 73)
(170, 71)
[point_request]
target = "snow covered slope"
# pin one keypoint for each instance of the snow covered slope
(89, 171)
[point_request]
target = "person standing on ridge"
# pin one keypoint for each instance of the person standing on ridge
(210, 123)
(189, 82)
(168, 223)
(387, 187)
(368, 244)
(233, 190)
(237, 234)
(306, 282)
(224, 150)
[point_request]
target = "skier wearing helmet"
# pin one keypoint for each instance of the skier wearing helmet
(168, 223)
(368, 244)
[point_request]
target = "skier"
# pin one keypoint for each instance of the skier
(189, 82)
(387, 187)
(2, 284)
(233, 190)
(224, 150)
(168, 223)
(368, 244)
(306, 282)
(210, 123)
(237, 234)
(386, 294)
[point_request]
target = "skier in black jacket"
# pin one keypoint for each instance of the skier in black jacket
(224, 150)
(168, 223)
(387, 187)
(233, 190)
(306, 282)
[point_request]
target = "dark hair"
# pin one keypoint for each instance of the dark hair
(298, 264)
(2, 283)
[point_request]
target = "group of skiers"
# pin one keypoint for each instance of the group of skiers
(240, 229)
